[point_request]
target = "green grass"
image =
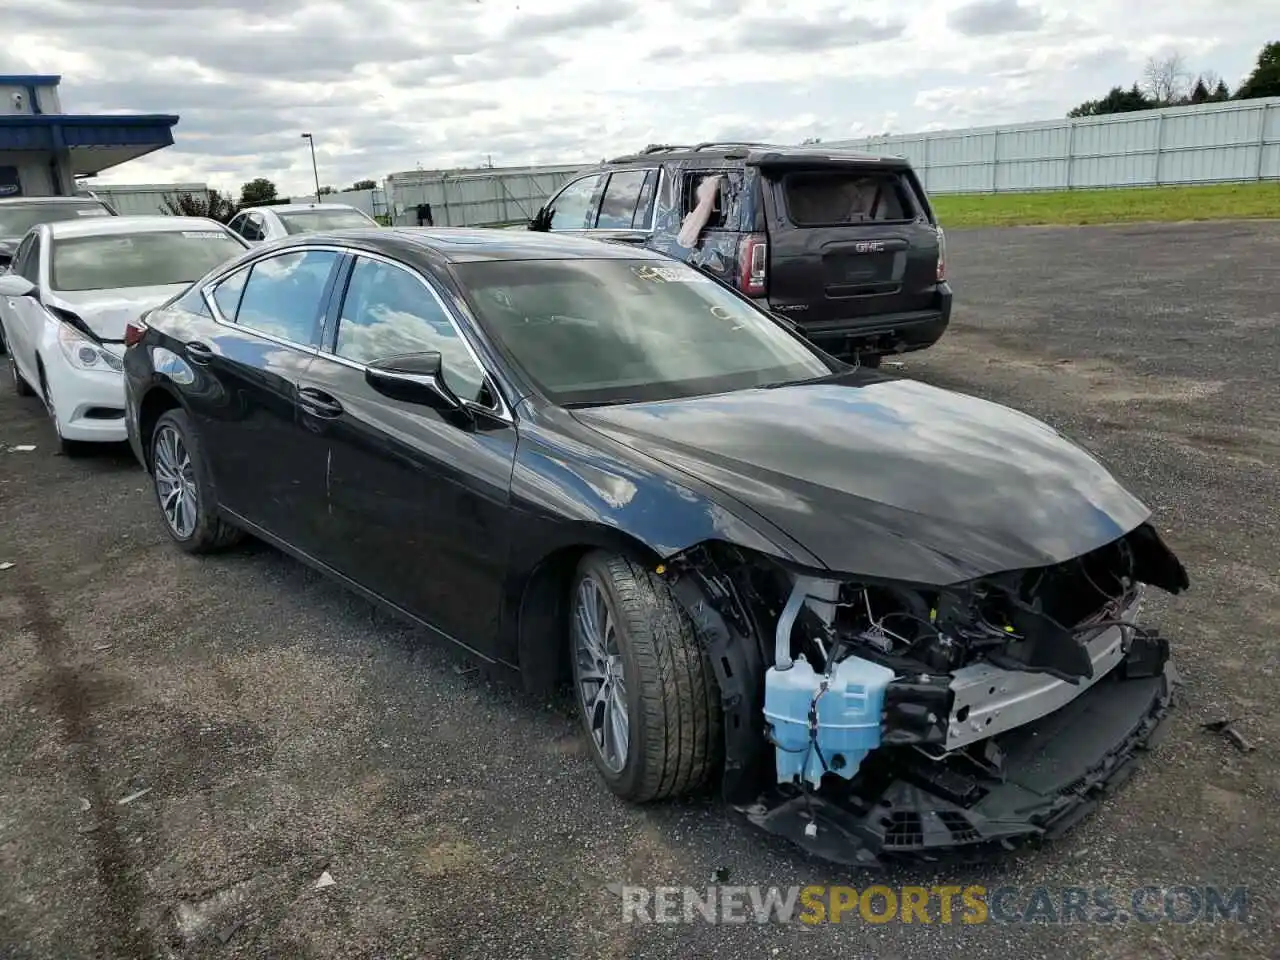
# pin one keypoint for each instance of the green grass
(1229, 201)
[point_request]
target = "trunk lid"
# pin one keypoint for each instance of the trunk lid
(847, 240)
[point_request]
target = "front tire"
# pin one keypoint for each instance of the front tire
(180, 479)
(643, 682)
(66, 448)
(20, 386)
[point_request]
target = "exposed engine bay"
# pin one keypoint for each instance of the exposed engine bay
(842, 693)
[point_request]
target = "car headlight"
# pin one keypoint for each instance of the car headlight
(83, 353)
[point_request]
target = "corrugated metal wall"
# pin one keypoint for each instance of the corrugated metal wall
(1209, 143)
(472, 198)
(144, 198)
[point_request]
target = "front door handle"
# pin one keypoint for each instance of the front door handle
(318, 403)
(198, 352)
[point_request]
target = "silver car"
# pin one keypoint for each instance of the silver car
(261, 224)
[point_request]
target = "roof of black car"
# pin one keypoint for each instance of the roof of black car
(470, 244)
(755, 153)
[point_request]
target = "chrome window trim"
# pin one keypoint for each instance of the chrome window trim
(206, 291)
(502, 411)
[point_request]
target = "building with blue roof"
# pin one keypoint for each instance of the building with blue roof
(43, 151)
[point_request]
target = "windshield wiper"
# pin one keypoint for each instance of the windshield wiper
(774, 384)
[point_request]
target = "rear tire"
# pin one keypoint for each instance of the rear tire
(661, 674)
(180, 479)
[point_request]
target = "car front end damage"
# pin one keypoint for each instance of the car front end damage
(871, 719)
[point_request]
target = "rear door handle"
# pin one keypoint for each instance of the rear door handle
(198, 352)
(318, 403)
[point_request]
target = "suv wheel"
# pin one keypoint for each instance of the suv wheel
(643, 682)
(180, 478)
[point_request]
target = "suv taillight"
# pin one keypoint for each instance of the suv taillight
(942, 255)
(753, 265)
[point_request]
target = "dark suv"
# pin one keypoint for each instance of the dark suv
(845, 246)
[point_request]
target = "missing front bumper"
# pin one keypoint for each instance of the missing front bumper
(1053, 771)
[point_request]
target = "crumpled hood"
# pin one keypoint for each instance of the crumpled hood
(106, 312)
(893, 478)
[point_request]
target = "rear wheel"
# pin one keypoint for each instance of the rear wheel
(643, 682)
(180, 478)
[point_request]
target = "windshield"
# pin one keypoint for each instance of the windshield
(17, 218)
(151, 259)
(308, 220)
(612, 331)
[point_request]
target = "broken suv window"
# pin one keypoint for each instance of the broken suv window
(692, 181)
(833, 197)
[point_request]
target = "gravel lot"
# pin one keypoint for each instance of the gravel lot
(284, 728)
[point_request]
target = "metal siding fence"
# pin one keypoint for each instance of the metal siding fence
(1209, 143)
(146, 198)
(474, 198)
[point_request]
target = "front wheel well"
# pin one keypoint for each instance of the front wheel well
(154, 403)
(543, 621)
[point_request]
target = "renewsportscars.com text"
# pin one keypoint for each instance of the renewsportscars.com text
(940, 904)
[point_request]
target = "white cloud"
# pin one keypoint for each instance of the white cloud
(387, 85)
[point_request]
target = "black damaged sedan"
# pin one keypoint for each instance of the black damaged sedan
(881, 617)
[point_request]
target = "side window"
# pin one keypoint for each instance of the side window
(227, 294)
(572, 206)
(644, 206)
(285, 295)
(253, 227)
(718, 210)
(618, 208)
(237, 223)
(387, 312)
(31, 267)
(21, 255)
(193, 302)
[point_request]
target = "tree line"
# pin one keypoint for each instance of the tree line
(224, 206)
(1166, 82)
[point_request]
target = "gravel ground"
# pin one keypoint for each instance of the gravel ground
(282, 728)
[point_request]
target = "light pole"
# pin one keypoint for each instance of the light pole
(312, 140)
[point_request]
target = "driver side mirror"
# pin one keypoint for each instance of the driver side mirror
(13, 285)
(414, 378)
(541, 221)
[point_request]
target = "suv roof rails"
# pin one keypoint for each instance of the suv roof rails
(707, 145)
(663, 148)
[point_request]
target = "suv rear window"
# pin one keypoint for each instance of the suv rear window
(821, 198)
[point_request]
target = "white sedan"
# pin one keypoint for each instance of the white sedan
(74, 286)
(279, 220)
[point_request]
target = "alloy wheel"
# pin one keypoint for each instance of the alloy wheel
(175, 480)
(599, 675)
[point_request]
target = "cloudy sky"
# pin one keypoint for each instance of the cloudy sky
(389, 85)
